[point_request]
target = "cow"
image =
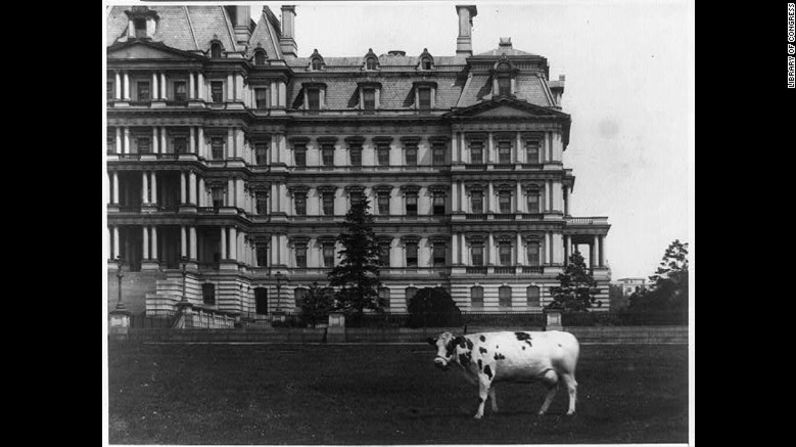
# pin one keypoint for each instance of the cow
(486, 358)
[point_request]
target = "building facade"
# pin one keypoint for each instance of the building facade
(236, 159)
(631, 285)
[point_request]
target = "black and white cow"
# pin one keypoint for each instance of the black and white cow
(491, 357)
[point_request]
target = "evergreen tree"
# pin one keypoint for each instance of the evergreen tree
(357, 274)
(575, 292)
(668, 289)
(317, 304)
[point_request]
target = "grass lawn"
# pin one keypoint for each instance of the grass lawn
(293, 394)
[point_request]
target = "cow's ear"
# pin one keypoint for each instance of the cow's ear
(431, 341)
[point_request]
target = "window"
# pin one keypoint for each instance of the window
(261, 300)
(328, 255)
(356, 198)
(300, 156)
(218, 198)
(533, 202)
(261, 154)
(504, 296)
(316, 64)
(477, 297)
(261, 204)
(299, 295)
(504, 152)
(477, 202)
(533, 253)
(327, 153)
(140, 28)
(532, 151)
(143, 145)
(143, 91)
(410, 293)
(262, 254)
(424, 98)
(370, 64)
(356, 156)
(411, 156)
(384, 297)
(439, 205)
(180, 146)
(260, 97)
(217, 91)
(301, 255)
(217, 148)
(111, 143)
(504, 251)
(411, 204)
(426, 63)
(532, 295)
(369, 99)
(438, 154)
(477, 152)
(109, 90)
(384, 253)
(411, 254)
(477, 251)
(504, 201)
(313, 99)
(215, 50)
(259, 58)
(180, 91)
(301, 204)
(504, 86)
(383, 204)
(209, 294)
(383, 153)
(439, 254)
(328, 204)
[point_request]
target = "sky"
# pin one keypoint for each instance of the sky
(629, 89)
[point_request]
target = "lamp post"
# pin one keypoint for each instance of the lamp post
(184, 274)
(279, 277)
(119, 276)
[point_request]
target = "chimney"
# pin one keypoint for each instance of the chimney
(464, 43)
(287, 42)
(241, 19)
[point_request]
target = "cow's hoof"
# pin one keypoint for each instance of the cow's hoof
(541, 413)
(478, 416)
(570, 413)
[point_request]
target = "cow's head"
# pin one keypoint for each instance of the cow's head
(446, 349)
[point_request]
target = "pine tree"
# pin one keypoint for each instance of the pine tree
(668, 289)
(357, 274)
(575, 292)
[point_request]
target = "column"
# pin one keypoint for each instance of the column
(118, 85)
(193, 242)
(491, 249)
(239, 193)
(239, 87)
(566, 249)
(518, 152)
(154, 85)
(154, 230)
(489, 157)
(163, 86)
(145, 187)
(230, 143)
(163, 145)
(182, 188)
(118, 140)
(191, 86)
(115, 253)
(154, 187)
(239, 143)
(233, 243)
(283, 94)
(454, 248)
(593, 249)
(126, 86)
(115, 190)
(146, 241)
(202, 193)
(519, 198)
(224, 243)
(454, 148)
(230, 88)
(230, 192)
(490, 199)
(201, 142)
(603, 256)
(201, 84)
(192, 188)
(454, 197)
(183, 242)
(155, 145)
(520, 251)
(126, 148)
(191, 141)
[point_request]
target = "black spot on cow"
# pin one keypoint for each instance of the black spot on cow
(559, 345)
(482, 338)
(480, 401)
(488, 371)
(460, 341)
(482, 350)
(523, 348)
(499, 356)
(450, 348)
(464, 360)
(469, 343)
(480, 366)
(522, 336)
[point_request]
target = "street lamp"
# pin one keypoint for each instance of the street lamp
(279, 278)
(119, 276)
(184, 274)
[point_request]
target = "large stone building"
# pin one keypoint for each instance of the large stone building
(229, 153)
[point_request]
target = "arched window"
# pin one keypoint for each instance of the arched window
(370, 63)
(504, 79)
(316, 64)
(476, 297)
(215, 50)
(209, 294)
(533, 296)
(504, 296)
(259, 57)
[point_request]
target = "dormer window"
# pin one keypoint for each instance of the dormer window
(426, 64)
(369, 95)
(426, 61)
(503, 74)
(140, 28)
(142, 22)
(314, 96)
(424, 95)
(316, 64)
(316, 61)
(370, 64)
(215, 50)
(259, 57)
(504, 86)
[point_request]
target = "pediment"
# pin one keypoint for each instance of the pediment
(507, 108)
(140, 50)
(502, 111)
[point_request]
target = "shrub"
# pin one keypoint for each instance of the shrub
(433, 307)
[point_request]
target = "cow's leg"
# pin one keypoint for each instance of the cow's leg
(493, 399)
(550, 379)
(572, 388)
(483, 392)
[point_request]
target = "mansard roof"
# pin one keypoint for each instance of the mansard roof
(266, 34)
